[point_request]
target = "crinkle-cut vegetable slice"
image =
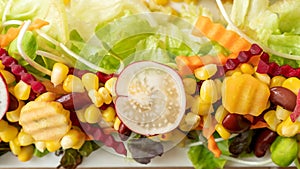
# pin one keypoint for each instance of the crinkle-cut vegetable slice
(45, 120)
(244, 94)
(150, 98)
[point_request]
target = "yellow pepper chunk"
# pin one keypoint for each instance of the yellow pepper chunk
(293, 84)
(245, 94)
(287, 128)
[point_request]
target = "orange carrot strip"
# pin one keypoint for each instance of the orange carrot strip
(249, 117)
(7, 38)
(217, 32)
(213, 147)
(187, 64)
(259, 124)
(37, 24)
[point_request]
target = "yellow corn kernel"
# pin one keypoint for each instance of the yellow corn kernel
(53, 145)
(59, 73)
(189, 122)
(26, 153)
(293, 84)
(92, 114)
(40, 145)
(191, 1)
(225, 134)
(107, 99)
(22, 90)
(204, 107)
(80, 115)
(15, 146)
(287, 128)
(219, 88)
(9, 133)
(110, 85)
(46, 97)
(205, 72)
(1, 65)
(25, 139)
(189, 101)
(209, 91)
(73, 84)
(8, 77)
(277, 81)
(265, 78)
(282, 113)
(14, 115)
(190, 85)
(247, 68)
(161, 2)
(177, 0)
(271, 119)
(96, 98)
(220, 114)
(67, 2)
(3, 125)
(90, 81)
(109, 114)
(71, 139)
(117, 123)
(80, 141)
(231, 72)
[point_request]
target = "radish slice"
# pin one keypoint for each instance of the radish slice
(4, 97)
(150, 98)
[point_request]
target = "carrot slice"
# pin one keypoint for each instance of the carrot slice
(10, 35)
(213, 147)
(187, 64)
(37, 24)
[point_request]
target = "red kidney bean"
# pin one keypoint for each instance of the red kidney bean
(263, 141)
(236, 123)
(13, 103)
(74, 101)
(283, 97)
(124, 132)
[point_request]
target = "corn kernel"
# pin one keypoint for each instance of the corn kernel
(8, 77)
(293, 84)
(25, 139)
(90, 81)
(22, 90)
(265, 78)
(204, 108)
(236, 73)
(287, 128)
(3, 125)
(190, 85)
(230, 72)
(277, 81)
(219, 88)
(110, 85)
(73, 84)
(40, 145)
(191, 1)
(282, 113)
(205, 72)
(9, 134)
(46, 97)
(208, 91)
(92, 114)
(109, 114)
(14, 115)
(189, 101)
(192, 119)
(80, 115)
(1, 65)
(53, 145)
(59, 73)
(15, 146)
(117, 123)
(96, 98)
(247, 68)
(26, 153)
(271, 120)
(161, 2)
(71, 138)
(105, 95)
(220, 114)
(225, 134)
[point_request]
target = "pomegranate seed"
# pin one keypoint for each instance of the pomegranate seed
(18, 70)
(103, 77)
(255, 49)
(9, 61)
(244, 56)
(231, 64)
(262, 67)
(28, 78)
(38, 87)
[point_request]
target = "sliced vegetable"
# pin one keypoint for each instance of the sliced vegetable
(151, 98)
(4, 97)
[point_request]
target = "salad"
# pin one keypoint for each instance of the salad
(139, 78)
